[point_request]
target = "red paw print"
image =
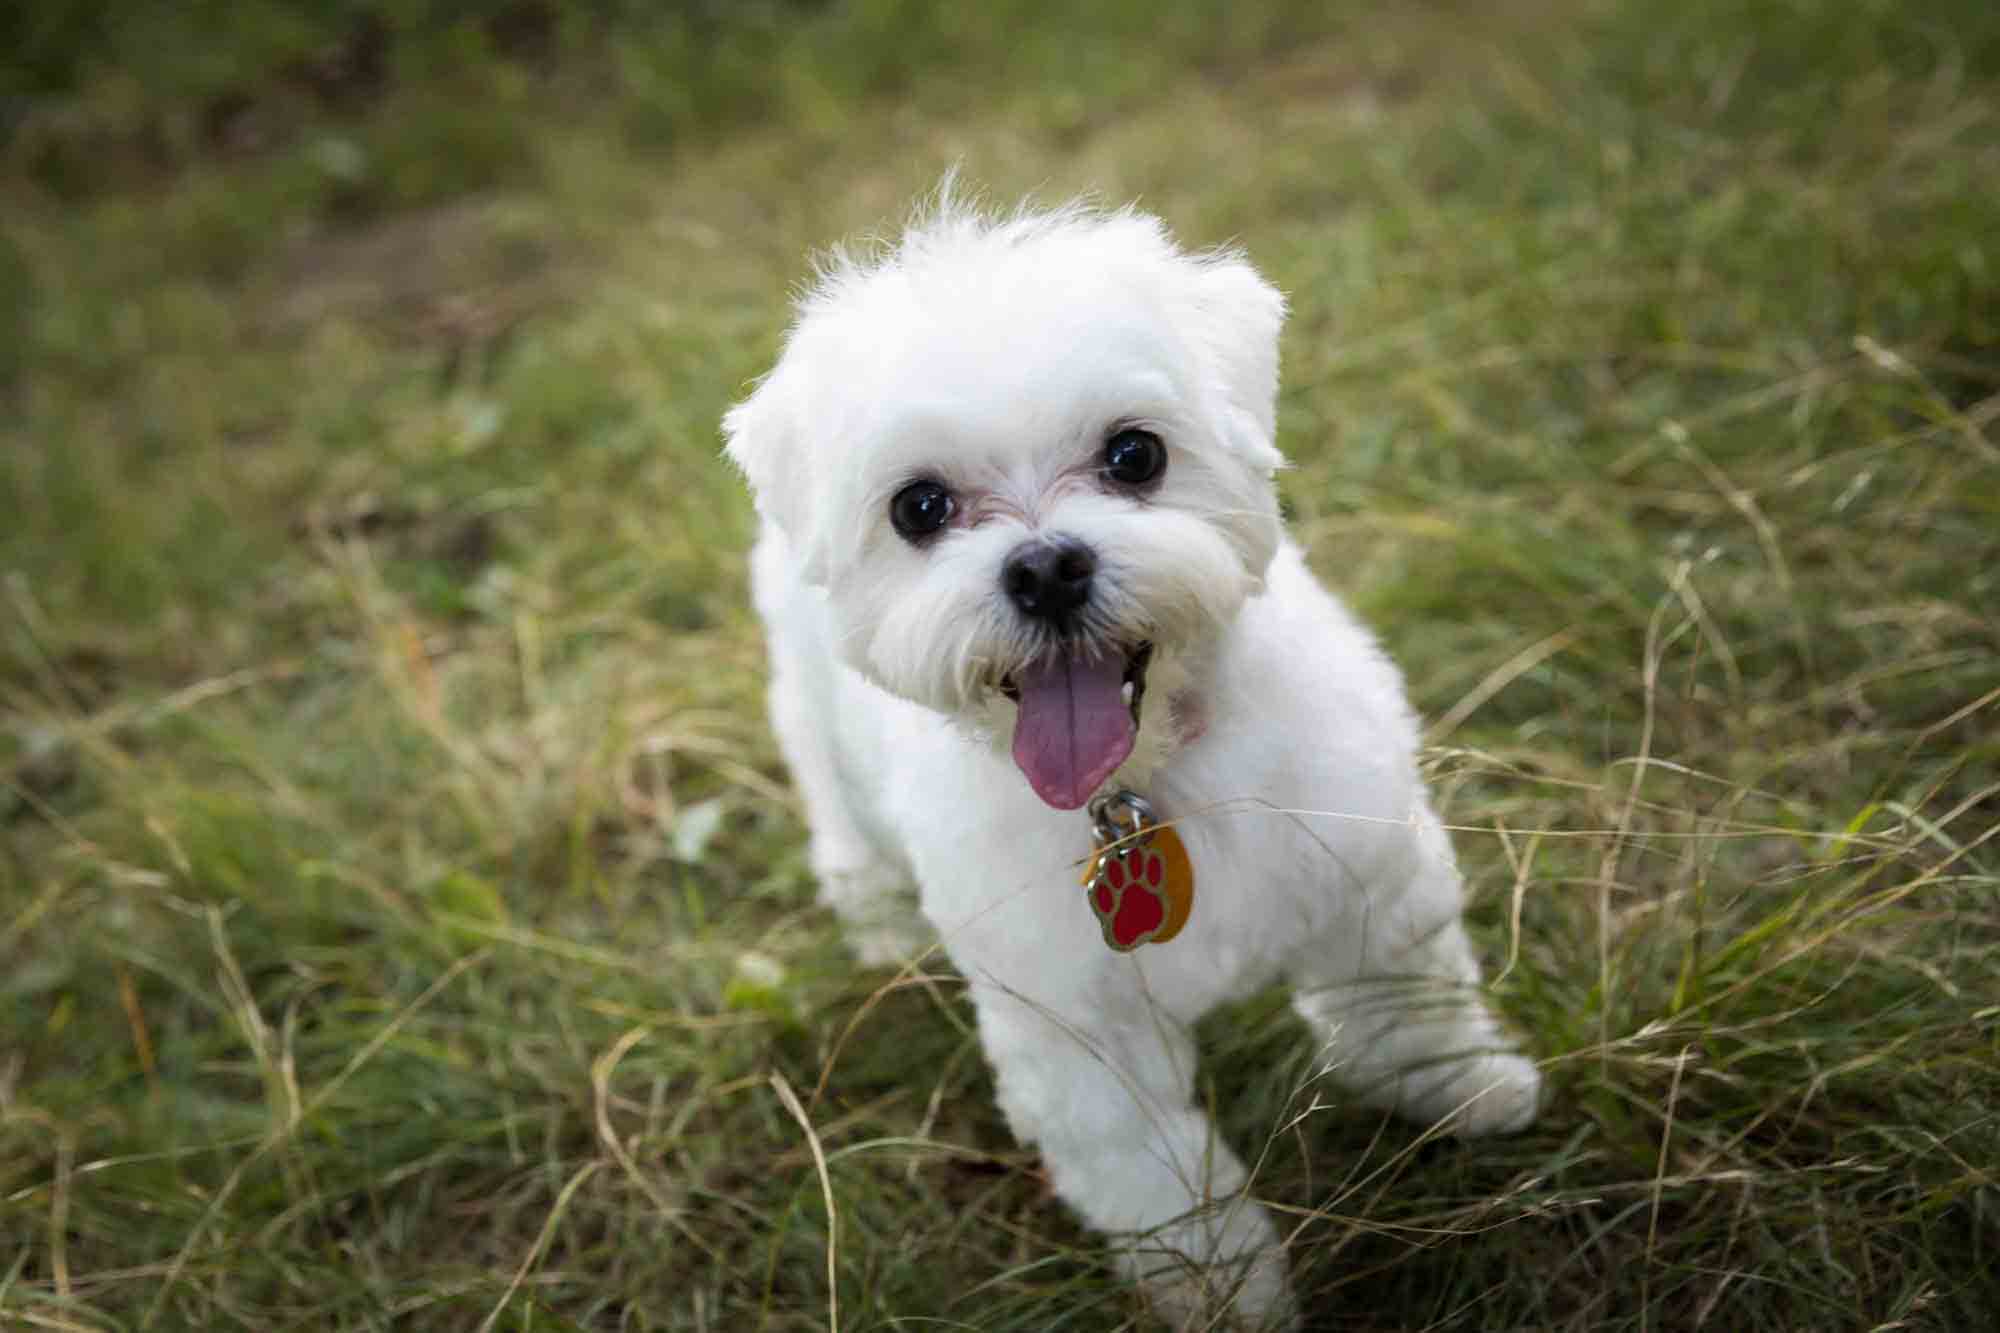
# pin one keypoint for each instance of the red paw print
(1128, 898)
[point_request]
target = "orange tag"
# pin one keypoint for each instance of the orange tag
(1141, 888)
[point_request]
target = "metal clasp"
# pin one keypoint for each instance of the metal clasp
(1124, 818)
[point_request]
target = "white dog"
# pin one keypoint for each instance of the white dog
(1027, 593)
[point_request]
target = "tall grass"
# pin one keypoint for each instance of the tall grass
(403, 920)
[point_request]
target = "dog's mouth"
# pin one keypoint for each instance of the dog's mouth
(1077, 718)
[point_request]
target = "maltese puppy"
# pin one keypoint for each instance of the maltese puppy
(1042, 651)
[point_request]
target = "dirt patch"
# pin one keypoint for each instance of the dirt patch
(462, 273)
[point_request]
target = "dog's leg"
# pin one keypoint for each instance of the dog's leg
(867, 887)
(1411, 1034)
(1108, 1097)
(1397, 1003)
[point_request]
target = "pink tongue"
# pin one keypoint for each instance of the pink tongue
(1074, 727)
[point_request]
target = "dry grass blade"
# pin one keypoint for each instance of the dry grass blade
(797, 1111)
(549, 1224)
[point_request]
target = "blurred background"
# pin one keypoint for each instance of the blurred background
(403, 913)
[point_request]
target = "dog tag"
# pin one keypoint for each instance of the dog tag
(1139, 881)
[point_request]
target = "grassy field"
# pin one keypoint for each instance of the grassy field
(403, 917)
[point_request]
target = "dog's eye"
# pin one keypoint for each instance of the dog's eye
(920, 509)
(1134, 457)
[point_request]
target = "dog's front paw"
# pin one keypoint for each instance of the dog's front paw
(1222, 1268)
(879, 936)
(879, 918)
(1496, 1093)
(885, 944)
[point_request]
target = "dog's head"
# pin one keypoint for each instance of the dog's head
(1029, 460)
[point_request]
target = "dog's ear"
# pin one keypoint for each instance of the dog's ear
(1237, 317)
(767, 440)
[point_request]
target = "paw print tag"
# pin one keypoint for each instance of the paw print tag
(1139, 881)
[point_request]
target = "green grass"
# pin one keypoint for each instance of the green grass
(403, 920)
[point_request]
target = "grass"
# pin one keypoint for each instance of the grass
(403, 920)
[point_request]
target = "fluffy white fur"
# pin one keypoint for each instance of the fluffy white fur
(996, 355)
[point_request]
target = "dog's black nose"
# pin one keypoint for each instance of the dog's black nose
(1049, 579)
